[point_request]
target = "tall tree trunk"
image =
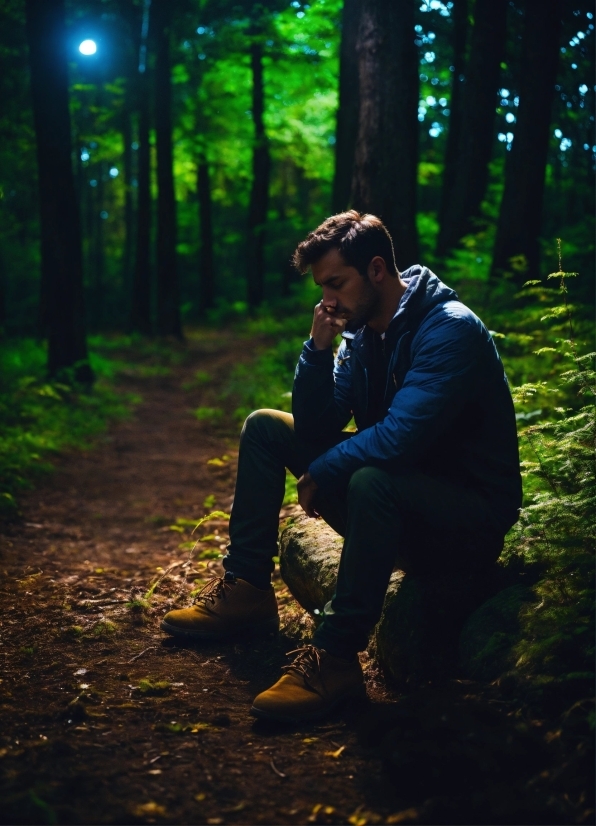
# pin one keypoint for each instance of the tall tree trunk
(127, 173)
(259, 195)
(2, 292)
(140, 307)
(520, 216)
(168, 301)
(459, 15)
(386, 162)
(99, 255)
(346, 131)
(470, 171)
(61, 254)
(206, 268)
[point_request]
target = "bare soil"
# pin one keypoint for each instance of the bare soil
(106, 720)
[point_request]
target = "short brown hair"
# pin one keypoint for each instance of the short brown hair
(358, 237)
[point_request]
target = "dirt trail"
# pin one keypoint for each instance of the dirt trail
(102, 719)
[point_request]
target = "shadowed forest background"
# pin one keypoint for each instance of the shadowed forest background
(206, 139)
(159, 162)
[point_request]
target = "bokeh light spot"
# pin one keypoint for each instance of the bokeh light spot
(88, 47)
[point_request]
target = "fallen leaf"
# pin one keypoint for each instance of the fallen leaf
(237, 808)
(320, 813)
(149, 809)
(335, 754)
(404, 816)
(196, 727)
(362, 817)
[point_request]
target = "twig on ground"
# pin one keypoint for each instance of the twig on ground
(137, 656)
(276, 770)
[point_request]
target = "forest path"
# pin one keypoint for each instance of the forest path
(83, 738)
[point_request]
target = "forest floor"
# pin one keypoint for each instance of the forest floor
(104, 719)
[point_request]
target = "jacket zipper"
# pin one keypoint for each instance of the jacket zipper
(393, 364)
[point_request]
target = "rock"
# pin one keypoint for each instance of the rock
(308, 561)
(417, 635)
(489, 634)
(418, 631)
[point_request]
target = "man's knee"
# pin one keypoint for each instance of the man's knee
(267, 425)
(370, 484)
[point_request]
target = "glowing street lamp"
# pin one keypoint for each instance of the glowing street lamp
(88, 47)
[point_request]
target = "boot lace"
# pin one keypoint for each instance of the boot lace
(308, 664)
(215, 589)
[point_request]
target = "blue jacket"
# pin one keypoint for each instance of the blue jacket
(448, 406)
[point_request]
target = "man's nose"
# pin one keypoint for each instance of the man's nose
(328, 301)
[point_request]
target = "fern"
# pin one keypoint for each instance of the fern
(557, 528)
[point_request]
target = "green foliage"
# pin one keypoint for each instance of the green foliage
(209, 414)
(154, 688)
(556, 532)
(266, 383)
(38, 417)
(209, 501)
(291, 494)
(104, 628)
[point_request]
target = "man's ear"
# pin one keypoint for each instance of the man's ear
(377, 269)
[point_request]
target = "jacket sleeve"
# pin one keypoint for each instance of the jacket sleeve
(446, 356)
(321, 394)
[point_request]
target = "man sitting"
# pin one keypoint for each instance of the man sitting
(429, 483)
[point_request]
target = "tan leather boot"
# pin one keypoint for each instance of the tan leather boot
(225, 607)
(314, 683)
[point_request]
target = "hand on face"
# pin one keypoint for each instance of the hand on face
(326, 324)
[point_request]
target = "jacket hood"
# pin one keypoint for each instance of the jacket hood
(424, 291)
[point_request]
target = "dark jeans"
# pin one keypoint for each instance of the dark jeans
(418, 523)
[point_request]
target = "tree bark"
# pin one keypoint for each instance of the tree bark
(168, 309)
(98, 256)
(140, 307)
(520, 216)
(61, 254)
(460, 36)
(206, 268)
(346, 132)
(259, 195)
(2, 293)
(127, 167)
(386, 162)
(470, 171)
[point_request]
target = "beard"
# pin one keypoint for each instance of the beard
(359, 314)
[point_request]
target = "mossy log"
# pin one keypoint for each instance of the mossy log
(418, 635)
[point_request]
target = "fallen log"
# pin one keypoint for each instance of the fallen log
(419, 635)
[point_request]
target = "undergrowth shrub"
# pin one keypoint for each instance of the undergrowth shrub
(268, 381)
(39, 417)
(556, 531)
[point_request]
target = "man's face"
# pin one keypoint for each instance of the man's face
(345, 292)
